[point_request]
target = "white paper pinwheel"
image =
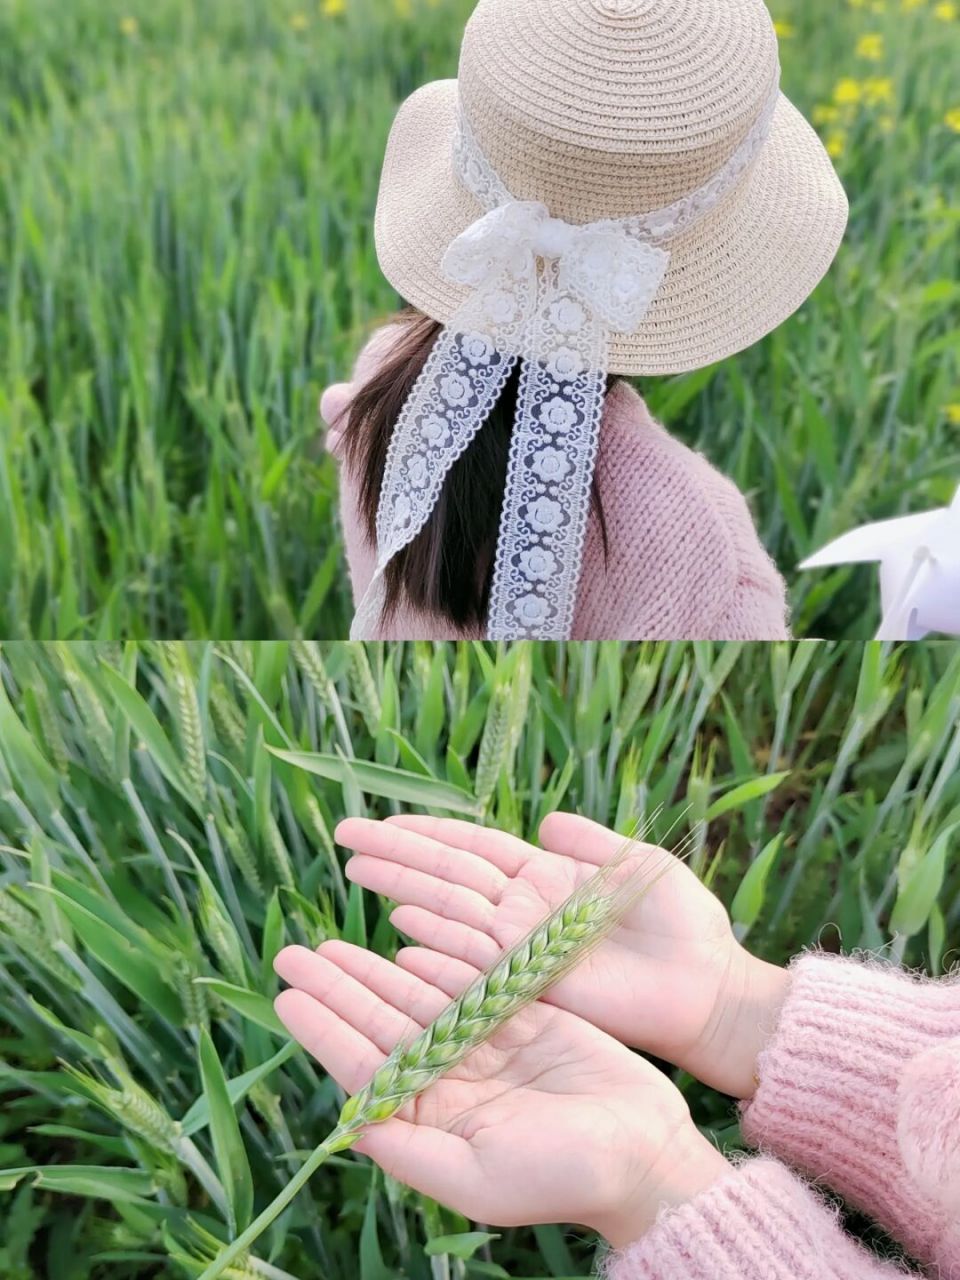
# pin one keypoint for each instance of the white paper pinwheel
(919, 569)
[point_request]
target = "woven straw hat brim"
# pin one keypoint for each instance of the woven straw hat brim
(733, 277)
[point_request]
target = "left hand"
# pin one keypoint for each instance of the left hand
(550, 1121)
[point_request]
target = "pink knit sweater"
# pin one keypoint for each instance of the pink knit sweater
(684, 561)
(860, 1089)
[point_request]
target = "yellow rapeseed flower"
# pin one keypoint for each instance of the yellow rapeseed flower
(870, 46)
(403, 8)
(877, 89)
(785, 30)
(333, 8)
(836, 143)
(858, 4)
(878, 6)
(130, 27)
(946, 11)
(825, 113)
(953, 413)
(952, 119)
(299, 21)
(909, 5)
(847, 92)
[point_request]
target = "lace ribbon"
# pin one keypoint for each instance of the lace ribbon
(549, 293)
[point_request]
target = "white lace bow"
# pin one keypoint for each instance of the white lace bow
(600, 265)
(547, 293)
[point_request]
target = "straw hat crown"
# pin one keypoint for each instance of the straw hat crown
(606, 108)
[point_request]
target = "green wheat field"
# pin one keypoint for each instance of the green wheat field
(156, 852)
(186, 193)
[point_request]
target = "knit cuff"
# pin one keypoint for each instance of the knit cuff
(758, 1222)
(829, 1084)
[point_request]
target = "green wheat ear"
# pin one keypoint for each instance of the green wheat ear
(518, 977)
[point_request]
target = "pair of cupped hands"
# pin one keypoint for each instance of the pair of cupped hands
(554, 1119)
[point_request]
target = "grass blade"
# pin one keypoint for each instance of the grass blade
(383, 780)
(232, 1164)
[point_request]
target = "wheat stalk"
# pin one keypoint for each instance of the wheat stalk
(519, 977)
(186, 707)
(219, 931)
(493, 745)
(276, 851)
(238, 846)
(365, 687)
(27, 932)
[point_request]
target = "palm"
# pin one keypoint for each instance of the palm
(646, 984)
(494, 1136)
(550, 1084)
(468, 892)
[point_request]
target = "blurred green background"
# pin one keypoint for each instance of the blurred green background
(155, 855)
(186, 194)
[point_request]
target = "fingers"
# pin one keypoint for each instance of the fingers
(332, 988)
(339, 1048)
(411, 995)
(504, 851)
(406, 885)
(451, 976)
(415, 849)
(574, 837)
(451, 937)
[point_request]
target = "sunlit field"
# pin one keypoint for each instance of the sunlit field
(187, 258)
(156, 852)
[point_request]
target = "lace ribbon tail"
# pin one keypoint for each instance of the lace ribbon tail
(553, 454)
(449, 403)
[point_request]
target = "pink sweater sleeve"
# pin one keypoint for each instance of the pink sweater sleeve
(860, 1088)
(756, 609)
(758, 1222)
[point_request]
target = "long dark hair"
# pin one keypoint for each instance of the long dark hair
(447, 569)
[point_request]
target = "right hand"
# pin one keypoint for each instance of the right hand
(672, 980)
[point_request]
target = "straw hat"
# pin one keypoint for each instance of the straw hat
(609, 108)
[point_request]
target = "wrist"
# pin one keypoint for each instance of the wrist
(766, 991)
(686, 1168)
(744, 1020)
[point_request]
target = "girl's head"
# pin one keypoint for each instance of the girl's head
(610, 186)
